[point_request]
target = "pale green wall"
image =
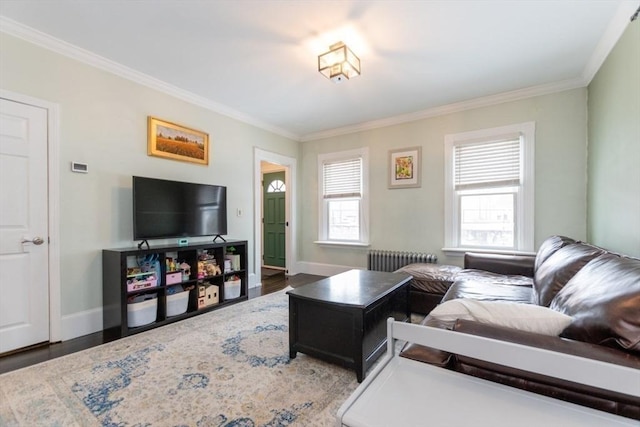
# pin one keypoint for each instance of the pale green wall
(614, 148)
(104, 124)
(413, 219)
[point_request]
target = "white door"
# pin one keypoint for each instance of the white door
(24, 249)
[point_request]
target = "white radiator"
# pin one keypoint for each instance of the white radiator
(379, 260)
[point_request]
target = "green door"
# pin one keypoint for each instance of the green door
(273, 234)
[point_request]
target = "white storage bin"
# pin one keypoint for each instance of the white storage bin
(232, 289)
(177, 303)
(142, 313)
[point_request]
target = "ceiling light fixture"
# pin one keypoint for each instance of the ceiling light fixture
(339, 63)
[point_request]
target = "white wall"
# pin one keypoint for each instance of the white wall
(413, 219)
(104, 124)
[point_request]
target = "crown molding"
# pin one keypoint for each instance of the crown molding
(614, 30)
(612, 34)
(69, 50)
(457, 107)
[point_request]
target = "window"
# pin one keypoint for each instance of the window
(489, 189)
(276, 186)
(342, 179)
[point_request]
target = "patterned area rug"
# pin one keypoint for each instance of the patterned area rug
(229, 367)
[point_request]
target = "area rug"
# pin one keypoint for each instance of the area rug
(229, 367)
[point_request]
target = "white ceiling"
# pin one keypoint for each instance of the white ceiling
(256, 60)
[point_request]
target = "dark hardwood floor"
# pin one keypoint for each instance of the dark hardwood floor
(272, 281)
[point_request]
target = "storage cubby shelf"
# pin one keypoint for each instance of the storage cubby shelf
(206, 293)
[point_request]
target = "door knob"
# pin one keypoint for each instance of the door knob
(36, 241)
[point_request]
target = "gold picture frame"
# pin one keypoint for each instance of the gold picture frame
(404, 167)
(176, 142)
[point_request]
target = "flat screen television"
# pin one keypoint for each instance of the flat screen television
(165, 209)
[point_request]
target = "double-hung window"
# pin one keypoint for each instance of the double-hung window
(489, 189)
(342, 179)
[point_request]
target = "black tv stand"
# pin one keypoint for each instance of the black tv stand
(123, 279)
(218, 237)
(145, 242)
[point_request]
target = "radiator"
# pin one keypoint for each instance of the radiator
(379, 260)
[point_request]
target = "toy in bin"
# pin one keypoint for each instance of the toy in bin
(207, 295)
(208, 267)
(174, 273)
(186, 271)
(136, 279)
(150, 264)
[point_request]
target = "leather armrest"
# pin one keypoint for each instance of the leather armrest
(502, 264)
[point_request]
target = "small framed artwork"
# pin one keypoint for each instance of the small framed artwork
(172, 141)
(404, 167)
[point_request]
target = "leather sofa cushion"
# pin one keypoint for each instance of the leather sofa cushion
(554, 273)
(614, 403)
(429, 355)
(547, 342)
(604, 300)
(604, 400)
(489, 277)
(432, 278)
(549, 247)
(488, 291)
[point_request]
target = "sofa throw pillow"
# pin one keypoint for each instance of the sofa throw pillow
(523, 317)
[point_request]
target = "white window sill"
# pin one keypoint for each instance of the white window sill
(459, 252)
(342, 244)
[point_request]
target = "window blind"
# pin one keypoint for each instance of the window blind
(342, 178)
(487, 164)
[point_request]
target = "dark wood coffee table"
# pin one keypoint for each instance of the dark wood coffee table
(342, 319)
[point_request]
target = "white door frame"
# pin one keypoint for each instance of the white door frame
(290, 211)
(53, 147)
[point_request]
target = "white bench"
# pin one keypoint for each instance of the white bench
(403, 392)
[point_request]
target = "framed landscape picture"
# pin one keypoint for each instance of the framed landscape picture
(172, 141)
(404, 167)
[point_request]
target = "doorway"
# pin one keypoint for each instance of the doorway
(29, 248)
(268, 162)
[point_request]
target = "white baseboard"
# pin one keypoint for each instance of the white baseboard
(83, 323)
(254, 281)
(323, 269)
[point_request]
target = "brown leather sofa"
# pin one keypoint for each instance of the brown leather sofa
(598, 288)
